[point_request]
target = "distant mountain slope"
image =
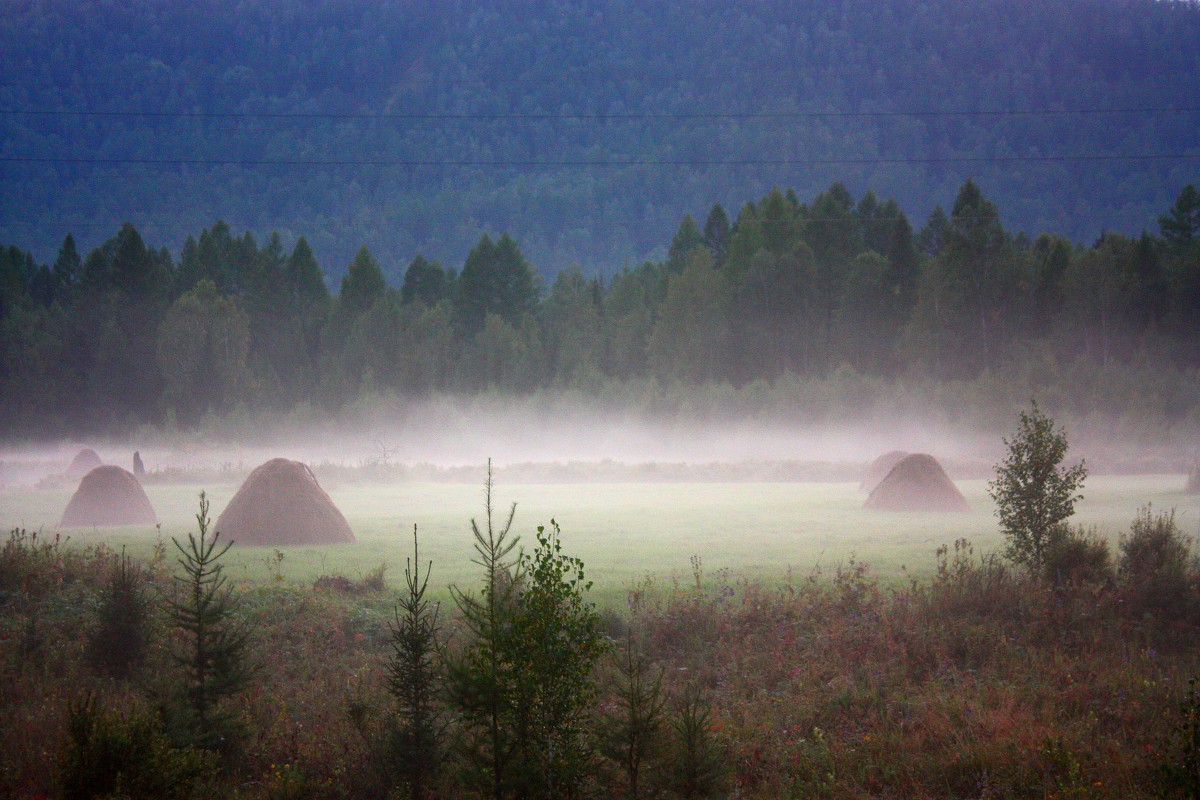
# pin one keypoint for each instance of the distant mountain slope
(586, 129)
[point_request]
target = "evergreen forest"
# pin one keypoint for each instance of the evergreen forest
(586, 129)
(782, 291)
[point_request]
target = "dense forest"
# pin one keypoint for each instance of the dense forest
(781, 290)
(585, 129)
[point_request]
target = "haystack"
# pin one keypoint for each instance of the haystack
(917, 483)
(281, 503)
(108, 495)
(84, 462)
(879, 469)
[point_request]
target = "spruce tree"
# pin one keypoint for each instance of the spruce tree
(214, 655)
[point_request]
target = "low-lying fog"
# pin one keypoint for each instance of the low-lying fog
(459, 433)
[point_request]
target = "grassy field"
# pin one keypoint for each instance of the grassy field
(623, 532)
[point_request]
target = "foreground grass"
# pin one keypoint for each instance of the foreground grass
(977, 682)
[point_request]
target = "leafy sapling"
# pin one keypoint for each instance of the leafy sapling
(1034, 495)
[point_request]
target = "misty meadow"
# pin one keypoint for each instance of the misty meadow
(600, 399)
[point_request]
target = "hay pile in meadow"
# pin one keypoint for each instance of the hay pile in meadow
(84, 462)
(879, 469)
(281, 503)
(917, 483)
(108, 495)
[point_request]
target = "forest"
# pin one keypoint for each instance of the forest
(782, 291)
(585, 129)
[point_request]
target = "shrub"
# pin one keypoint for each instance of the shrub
(1156, 570)
(117, 645)
(106, 755)
(1078, 556)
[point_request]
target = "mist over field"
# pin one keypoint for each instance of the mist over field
(572, 439)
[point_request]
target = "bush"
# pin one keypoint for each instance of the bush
(1156, 570)
(1078, 556)
(111, 756)
(117, 645)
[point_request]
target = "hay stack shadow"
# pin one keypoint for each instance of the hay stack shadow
(108, 495)
(917, 483)
(281, 503)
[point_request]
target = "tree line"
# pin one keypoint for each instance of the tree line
(130, 334)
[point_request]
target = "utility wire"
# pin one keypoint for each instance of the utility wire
(300, 115)
(633, 162)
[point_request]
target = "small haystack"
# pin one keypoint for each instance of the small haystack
(84, 462)
(917, 483)
(879, 470)
(281, 503)
(108, 495)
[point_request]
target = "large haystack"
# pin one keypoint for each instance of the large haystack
(917, 483)
(108, 495)
(879, 469)
(282, 503)
(84, 462)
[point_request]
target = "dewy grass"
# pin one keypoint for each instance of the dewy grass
(624, 532)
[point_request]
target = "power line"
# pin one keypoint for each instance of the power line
(438, 117)
(633, 162)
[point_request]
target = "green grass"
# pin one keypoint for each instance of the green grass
(623, 532)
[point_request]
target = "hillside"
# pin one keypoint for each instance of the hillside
(585, 129)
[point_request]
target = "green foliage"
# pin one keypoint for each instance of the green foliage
(1035, 496)
(111, 756)
(215, 642)
(1156, 570)
(118, 643)
(413, 680)
(553, 644)
(523, 684)
(698, 765)
(632, 733)
(481, 676)
(1078, 556)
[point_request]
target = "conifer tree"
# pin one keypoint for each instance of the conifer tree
(214, 655)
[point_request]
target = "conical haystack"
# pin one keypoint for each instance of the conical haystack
(917, 483)
(108, 495)
(282, 503)
(879, 469)
(84, 462)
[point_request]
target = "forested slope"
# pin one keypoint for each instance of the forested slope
(585, 129)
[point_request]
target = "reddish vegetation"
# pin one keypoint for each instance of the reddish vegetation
(108, 495)
(281, 503)
(879, 469)
(84, 462)
(917, 483)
